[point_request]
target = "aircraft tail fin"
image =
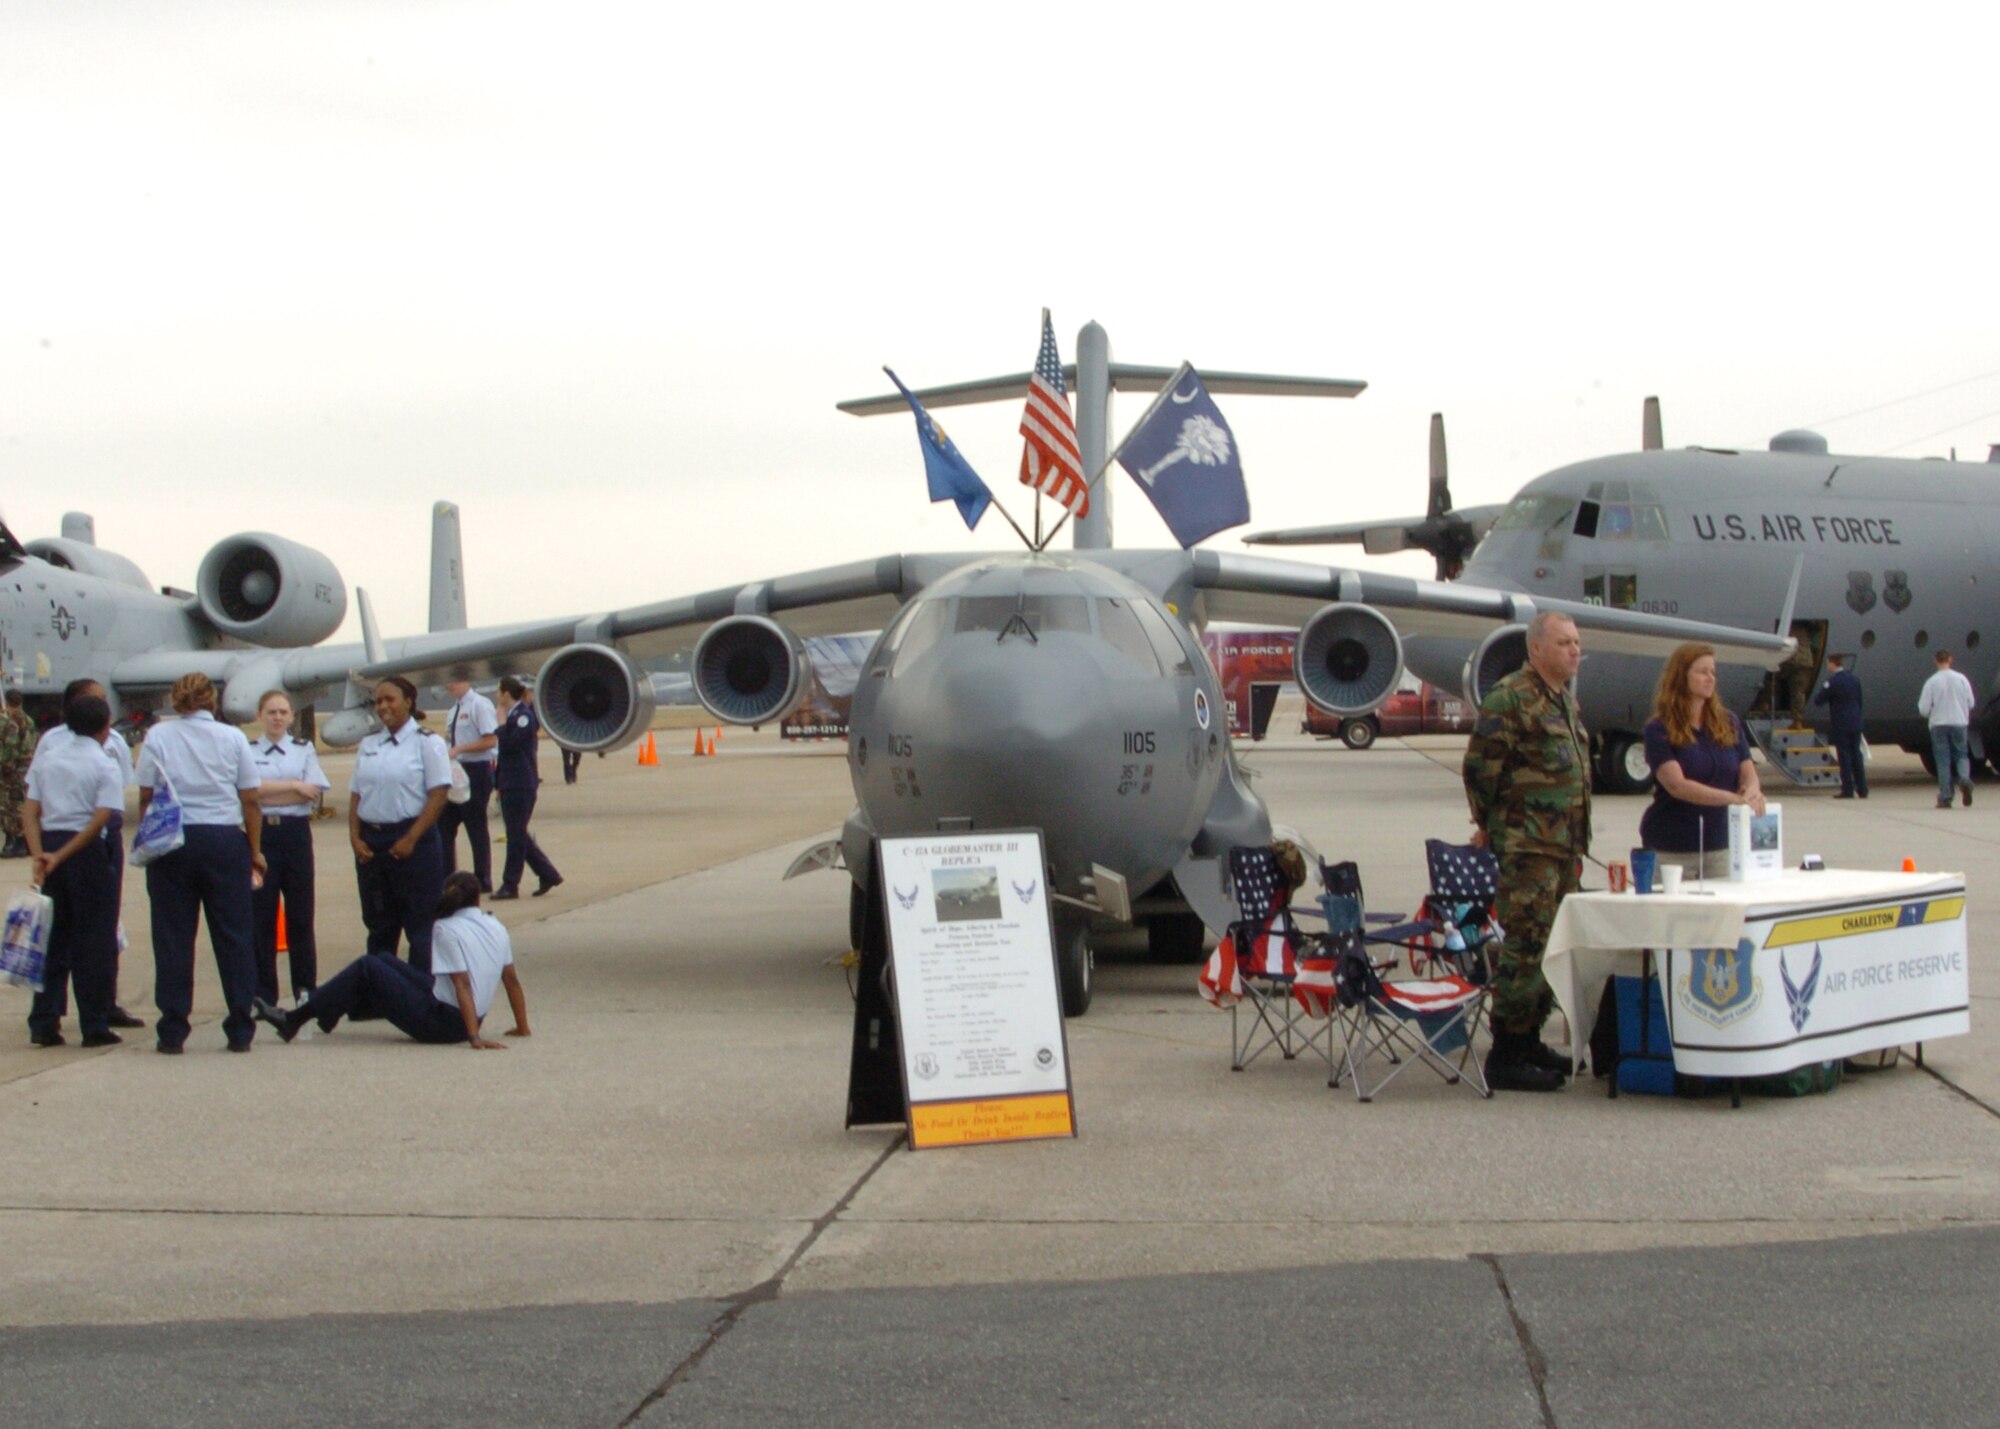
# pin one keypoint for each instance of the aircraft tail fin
(371, 633)
(447, 569)
(79, 526)
(1651, 438)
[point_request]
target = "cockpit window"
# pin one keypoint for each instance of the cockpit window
(1621, 511)
(1535, 513)
(1172, 655)
(1042, 614)
(1120, 627)
(919, 633)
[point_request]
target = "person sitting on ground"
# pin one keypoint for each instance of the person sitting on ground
(471, 956)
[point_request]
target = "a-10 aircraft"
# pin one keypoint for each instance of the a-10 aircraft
(1065, 691)
(1879, 559)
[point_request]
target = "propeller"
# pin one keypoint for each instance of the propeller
(1448, 534)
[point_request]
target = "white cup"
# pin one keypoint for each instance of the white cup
(1670, 878)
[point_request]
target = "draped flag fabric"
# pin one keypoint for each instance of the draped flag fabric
(1050, 462)
(1184, 458)
(951, 476)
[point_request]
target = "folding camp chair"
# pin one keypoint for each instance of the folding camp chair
(1425, 1020)
(1253, 969)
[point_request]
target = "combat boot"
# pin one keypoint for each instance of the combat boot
(14, 848)
(1510, 1068)
(1541, 1054)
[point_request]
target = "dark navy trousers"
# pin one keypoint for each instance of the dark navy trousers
(288, 850)
(399, 895)
(83, 937)
(1853, 769)
(208, 876)
(378, 986)
(517, 806)
(471, 816)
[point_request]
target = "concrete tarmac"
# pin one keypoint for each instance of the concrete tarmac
(649, 1210)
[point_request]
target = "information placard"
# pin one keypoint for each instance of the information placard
(972, 949)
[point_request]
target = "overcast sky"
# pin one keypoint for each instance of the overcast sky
(599, 272)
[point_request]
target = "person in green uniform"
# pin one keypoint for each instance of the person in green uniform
(1527, 778)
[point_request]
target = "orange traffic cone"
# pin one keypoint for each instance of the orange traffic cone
(699, 751)
(711, 744)
(647, 754)
(284, 943)
(1909, 866)
(718, 735)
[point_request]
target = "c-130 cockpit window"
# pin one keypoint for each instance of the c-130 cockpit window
(1621, 511)
(1040, 613)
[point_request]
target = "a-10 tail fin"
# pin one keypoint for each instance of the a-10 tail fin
(447, 569)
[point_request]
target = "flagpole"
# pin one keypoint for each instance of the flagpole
(1112, 460)
(995, 505)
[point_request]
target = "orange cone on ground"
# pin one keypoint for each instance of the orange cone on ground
(284, 943)
(718, 735)
(711, 744)
(699, 751)
(648, 755)
(1909, 866)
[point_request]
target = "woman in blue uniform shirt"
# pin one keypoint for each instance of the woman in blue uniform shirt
(289, 797)
(207, 765)
(518, 777)
(73, 793)
(401, 778)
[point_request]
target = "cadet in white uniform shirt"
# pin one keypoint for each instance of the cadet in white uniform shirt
(289, 797)
(207, 764)
(115, 749)
(401, 778)
(72, 795)
(471, 732)
(473, 958)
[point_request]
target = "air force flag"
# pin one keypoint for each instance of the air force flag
(1184, 457)
(951, 475)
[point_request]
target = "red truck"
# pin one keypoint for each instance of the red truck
(1423, 710)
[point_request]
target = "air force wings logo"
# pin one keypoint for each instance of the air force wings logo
(1800, 995)
(1026, 895)
(908, 900)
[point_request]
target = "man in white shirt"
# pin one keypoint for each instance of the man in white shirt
(1946, 701)
(471, 731)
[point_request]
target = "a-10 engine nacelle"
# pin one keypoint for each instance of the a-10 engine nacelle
(266, 590)
(593, 698)
(1348, 660)
(750, 670)
(1499, 655)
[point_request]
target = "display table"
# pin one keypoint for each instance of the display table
(1759, 978)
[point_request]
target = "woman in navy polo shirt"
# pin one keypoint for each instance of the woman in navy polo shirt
(1701, 766)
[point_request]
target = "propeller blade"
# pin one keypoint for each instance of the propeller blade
(1649, 427)
(1440, 499)
(1385, 540)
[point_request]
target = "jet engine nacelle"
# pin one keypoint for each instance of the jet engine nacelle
(1349, 659)
(89, 560)
(750, 670)
(1499, 655)
(269, 591)
(343, 729)
(592, 698)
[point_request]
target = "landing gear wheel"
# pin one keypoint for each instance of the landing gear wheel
(1358, 733)
(1622, 767)
(1175, 937)
(1074, 964)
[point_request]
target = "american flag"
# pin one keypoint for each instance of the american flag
(1463, 872)
(1050, 462)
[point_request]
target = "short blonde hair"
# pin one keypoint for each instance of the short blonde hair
(194, 692)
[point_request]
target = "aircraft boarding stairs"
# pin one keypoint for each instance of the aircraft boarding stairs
(1800, 754)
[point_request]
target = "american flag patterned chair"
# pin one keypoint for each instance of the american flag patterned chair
(1388, 1025)
(1254, 969)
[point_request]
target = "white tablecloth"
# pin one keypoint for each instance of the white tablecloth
(1598, 934)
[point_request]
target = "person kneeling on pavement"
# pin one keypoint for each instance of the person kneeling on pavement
(471, 957)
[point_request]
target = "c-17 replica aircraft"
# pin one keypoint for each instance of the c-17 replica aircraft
(1065, 691)
(1879, 559)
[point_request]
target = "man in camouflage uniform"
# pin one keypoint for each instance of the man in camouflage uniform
(1527, 777)
(17, 748)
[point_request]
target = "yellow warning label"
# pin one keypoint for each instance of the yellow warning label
(1006, 1119)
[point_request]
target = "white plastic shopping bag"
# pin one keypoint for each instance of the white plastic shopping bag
(24, 950)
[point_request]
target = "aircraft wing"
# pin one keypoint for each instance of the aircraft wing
(831, 601)
(1260, 589)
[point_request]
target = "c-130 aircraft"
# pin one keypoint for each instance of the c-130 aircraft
(1065, 691)
(1878, 559)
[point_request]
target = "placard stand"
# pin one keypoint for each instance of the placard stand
(875, 1066)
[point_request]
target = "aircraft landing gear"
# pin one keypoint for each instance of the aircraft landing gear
(1074, 965)
(1621, 765)
(1358, 733)
(1175, 937)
